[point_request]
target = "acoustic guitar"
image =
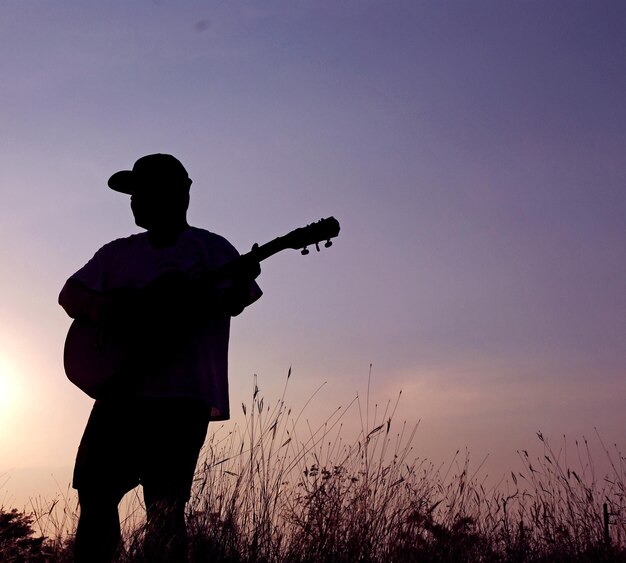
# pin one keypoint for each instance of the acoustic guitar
(96, 356)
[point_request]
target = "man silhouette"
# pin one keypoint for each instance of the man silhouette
(150, 424)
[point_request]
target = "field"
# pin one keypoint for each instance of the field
(267, 492)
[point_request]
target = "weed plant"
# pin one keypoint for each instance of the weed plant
(278, 490)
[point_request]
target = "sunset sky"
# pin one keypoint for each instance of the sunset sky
(472, 151)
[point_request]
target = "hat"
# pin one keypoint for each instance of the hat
(159, 168)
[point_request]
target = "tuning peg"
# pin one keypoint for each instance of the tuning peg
(304, 251)
(328, 244)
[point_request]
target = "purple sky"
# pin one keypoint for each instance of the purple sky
(473, 152)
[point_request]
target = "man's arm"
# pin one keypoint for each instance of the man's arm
(244, 291)
(81, 302)
(237, 297)
(170, 295)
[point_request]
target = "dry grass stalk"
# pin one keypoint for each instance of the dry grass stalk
(278, 490)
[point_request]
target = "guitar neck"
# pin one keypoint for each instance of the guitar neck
(324, 229)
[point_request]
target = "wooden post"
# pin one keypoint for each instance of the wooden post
(607, 535)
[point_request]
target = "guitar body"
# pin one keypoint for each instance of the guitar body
(93, 358)
(99, 360)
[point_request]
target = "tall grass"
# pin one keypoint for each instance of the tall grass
(278, 490)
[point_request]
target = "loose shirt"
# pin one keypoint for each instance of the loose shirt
(196, 364)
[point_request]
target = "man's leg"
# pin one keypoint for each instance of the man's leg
(176, 433)
(166, 533)
(98, 531)
(105, 469)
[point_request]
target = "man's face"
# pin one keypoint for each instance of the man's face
(155, 205)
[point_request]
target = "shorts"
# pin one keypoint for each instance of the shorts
(152, 442)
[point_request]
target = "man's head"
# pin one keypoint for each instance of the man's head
(159, 188)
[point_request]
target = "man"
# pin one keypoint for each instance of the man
(147, 428)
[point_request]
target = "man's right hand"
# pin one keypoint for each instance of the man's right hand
(81, 302)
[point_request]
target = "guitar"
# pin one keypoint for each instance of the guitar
(95, 357)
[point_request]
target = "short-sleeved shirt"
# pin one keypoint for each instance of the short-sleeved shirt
(195, 366)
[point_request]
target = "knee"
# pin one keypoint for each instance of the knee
(96, 505)
(91, 497)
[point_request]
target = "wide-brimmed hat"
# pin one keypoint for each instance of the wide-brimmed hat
(161, 169)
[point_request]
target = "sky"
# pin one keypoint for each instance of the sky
(473, 153)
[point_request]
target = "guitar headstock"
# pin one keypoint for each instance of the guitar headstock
(322, 230)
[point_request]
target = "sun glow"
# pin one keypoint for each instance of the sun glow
(9, 387)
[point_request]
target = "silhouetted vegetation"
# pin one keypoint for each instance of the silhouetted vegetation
(266, 493)
(20, 543)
